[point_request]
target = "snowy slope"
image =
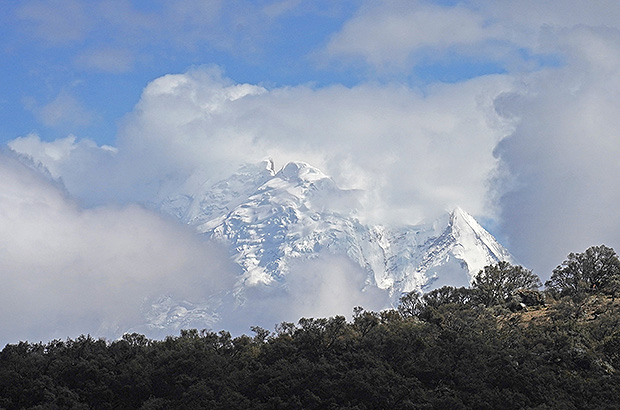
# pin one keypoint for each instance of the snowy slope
(270, 219)
(289, 231)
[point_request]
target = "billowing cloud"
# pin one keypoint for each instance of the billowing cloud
(82, 165)
(562, 192)
(67, 271)
(417, 154)
(555, 187)
(322, 287)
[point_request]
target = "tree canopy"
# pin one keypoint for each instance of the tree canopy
(451, 348)
(494, 284)
(595, 270)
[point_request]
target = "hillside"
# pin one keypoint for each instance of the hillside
(562, 355)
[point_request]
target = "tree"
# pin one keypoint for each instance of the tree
(595, 270)
(447, 295)
(494, 284)
(411, 304)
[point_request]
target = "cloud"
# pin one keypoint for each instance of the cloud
(322, 287)
(56, 22)
(391, 33)
(561, 193)
(534, 148)
(554, 187)
(417, 154)
(400, 34)
(63, 111)
(107, 60)
(120, 32)
(530, 16)
(278, 8)
(82, 165)
(330, 285)
(66, 270)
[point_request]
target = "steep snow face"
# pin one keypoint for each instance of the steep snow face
(459, 252)
(294, 214)
(271, 219)
(210, 201)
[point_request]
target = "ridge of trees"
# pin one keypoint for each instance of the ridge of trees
(500, 343)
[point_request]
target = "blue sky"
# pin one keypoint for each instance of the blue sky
(95, 58)
(98, 61)
(508, 109)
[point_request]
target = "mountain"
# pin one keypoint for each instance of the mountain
(302, 250)
(270, 220)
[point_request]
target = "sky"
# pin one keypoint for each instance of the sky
(508, 109)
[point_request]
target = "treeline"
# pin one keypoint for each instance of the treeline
(500, 344)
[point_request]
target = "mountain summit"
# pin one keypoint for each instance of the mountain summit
(302, 250)
(270, 220)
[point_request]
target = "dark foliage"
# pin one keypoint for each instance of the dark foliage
(443, 350)
(495, 284)
(593, 271)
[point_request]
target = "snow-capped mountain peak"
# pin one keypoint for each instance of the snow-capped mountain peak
(300, 172)
(269, 219)
(275, 223)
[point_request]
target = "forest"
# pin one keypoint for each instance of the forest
(501, 343)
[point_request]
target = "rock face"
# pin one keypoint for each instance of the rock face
(270, 220)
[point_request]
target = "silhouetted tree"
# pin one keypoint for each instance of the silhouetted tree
(494, 284)
(595, 270)
(411, 304)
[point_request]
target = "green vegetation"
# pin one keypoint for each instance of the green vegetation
(597, 270)
(500, 344)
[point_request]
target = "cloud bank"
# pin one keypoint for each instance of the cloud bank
(322, 287)
(561, 193)
(418, 154)
(67, 271)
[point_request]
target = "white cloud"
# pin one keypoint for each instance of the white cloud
(400, 33)
(418, 154)
(390, 33)
(82, 166)
(562, 158)
(63, 111)
(330, 285)
(559, 165)
(326, 286)
(67, 271)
